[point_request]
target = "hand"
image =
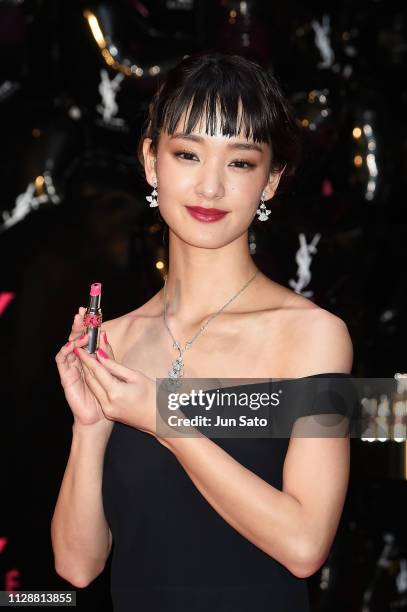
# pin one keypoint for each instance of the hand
(85, 407)
(123, 394)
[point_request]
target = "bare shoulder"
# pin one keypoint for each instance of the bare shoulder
(323, 343)
(317, 341)
(330, 336)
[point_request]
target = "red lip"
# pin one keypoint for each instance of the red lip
(207, 211)
(206, 215)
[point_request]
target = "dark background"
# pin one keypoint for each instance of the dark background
(73, 210)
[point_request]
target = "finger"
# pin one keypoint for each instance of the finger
(94, 385)
(96, 370)
(77, 325)
(67, 350)
(65, 356)
(105, 343)
(70, 345)
(118, 370)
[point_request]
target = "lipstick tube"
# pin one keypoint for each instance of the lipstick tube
(92, 319)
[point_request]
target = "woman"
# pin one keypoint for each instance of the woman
(199, 524)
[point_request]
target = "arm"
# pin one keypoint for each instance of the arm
(81, 538)
(295, 526)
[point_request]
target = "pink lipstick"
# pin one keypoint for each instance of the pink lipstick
(92, 319)
(208, 215)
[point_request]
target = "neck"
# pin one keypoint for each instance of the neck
(200, 281)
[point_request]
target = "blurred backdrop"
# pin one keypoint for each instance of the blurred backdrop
(75, 82)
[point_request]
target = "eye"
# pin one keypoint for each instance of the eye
(243, 161)
(186, 153)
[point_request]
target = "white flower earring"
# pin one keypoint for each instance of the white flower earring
(263, 212)
(153, 198)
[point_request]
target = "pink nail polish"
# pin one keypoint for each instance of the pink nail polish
(76, 351)
(81, 338)
(102, 353)
(68, 343)
(105, 337)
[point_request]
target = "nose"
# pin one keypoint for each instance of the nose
(209, 183)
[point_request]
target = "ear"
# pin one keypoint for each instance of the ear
(272, 184)
(149, 161)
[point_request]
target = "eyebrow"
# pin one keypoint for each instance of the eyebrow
(246, 146)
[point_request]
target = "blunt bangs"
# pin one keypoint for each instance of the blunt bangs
(231, 95)
(229, 110)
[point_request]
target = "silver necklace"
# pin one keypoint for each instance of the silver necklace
(177, 367)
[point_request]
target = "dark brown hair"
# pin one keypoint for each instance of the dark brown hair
(213, 81)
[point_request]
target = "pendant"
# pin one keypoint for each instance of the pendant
(177, 368)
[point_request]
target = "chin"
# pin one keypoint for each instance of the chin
(196, 239)
(208, 238)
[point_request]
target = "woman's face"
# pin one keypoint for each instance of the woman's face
(227, 173)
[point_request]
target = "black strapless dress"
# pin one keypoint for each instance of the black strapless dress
(172, 552)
